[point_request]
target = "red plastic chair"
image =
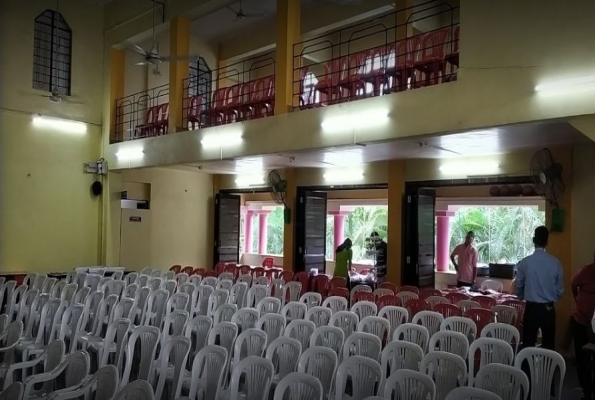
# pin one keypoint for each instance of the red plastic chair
(211, 273)
(388, 285)
(200, 271)
(329, 84)
(195, 112)
(258, 271)
(270, 274)
(176, 268)
(403, 61)
(232, 269)
(245, 270)
(416, 305)
(455, 297)
(481, 317)
(337, 282)
(486, 302)
(147, 129)
(520, 307)
(452, 53)
(188, 270)
(319, 284)
(425, 293)
(219, 268)
(162, 124)
(376, 75)
(287, 276)
(262, 98)
(303, 278)
(363, 296)
(412, 289)
(351, 78)
(268, 262)
(217, 112)
(429, 58)
(233, 103)
(448, 310)
(339, 291)
(388, 300)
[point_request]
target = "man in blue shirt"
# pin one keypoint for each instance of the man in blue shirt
(539, 282)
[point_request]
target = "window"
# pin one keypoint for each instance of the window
(52, 53)
(201, 80)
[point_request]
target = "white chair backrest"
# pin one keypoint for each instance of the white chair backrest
(177, 302)
(301, 330)
(137, 390)
(208, 370)
(284, 353)
(433, 300)
(490, 351)
(395, 315)
(430, 319)
(257, 375)
(7, 292)
(398, 355)
(413, 333)
(336, 303)
(29, 280)
(328, 336)
(506, 314)
(299, 386)
(174, 324)
(277, 286)
(170, 285)
(147, 338)
(245, 318)
(383, 292)
(92, 280)
(225, 285)
(168, 276)
(143, 280)
(131, 291)
(464, 325)
(155, 308)
(102, 385)
(365, 375)
(490, 284)
(225, 312)
(510, 383)
(406, 296)
(273, 325)
(81, 295)
(238, 294)
(12, 392)
(225, 276)
(359, 288)
(116, 338)
(268, 305)
(377, 326)
(410, 385)
(311, 299)
(347, 321)
(450, 342)
(154, 283)
(321, 363)
(471, 393)
(197, 330)
(292, 291)
(245, 278)
(209, 281)
(195, 280)
(251, 342)
(255, 294)
(182, 278)
(502, 331)
(174, 353)
(260, 280)
(466, 305)
(224, 334)
(131, 278)
(71, 323)
(362, 344)
(364, 309)
(320, 315)
(202, 303)
(448, 371)
(294, 310)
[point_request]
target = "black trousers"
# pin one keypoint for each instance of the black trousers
(585, 363)
(539, 315)
(461, 284)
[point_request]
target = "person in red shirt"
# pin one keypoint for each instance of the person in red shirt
(583, 290)
(464, 258)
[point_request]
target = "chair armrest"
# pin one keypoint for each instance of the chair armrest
(22, 365)
(31, 381)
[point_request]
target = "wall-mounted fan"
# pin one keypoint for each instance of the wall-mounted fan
(240, 14)
(278, 188)
(547, 175)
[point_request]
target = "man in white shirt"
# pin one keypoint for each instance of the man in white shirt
(464, 258)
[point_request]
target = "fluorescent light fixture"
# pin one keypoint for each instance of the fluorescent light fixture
(365, 119)
(344, 158)
(246, 165)
(250, 180)
(130, 154)
(566, 85)
(470, 168)
(341, 175)
(225, 139)
(63, 125)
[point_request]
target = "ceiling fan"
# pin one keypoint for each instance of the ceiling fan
(152, 56)
(422, 145)
(240, 14)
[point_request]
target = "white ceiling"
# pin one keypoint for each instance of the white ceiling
(475, 143)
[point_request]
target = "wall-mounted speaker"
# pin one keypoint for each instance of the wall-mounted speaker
(96, 188)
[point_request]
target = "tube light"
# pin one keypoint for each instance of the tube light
(63, 125)
(130, 154)
(343, 175)
(365, 119)
(470, 168)
(566, 85)
(250, 180)
(222, 139)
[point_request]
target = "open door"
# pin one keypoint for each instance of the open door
(310, 232)
(419, 237)
(227, 228)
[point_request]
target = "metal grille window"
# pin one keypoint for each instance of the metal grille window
(52, 53)
(201, 81)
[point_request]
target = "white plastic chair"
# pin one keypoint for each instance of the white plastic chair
(364, 309)
(466, 305)
(292, 291)
(154, 283)
(16, 297)
(224, 334)
(48, 285)
(12, 392)
(430, 319)
(197, 330)
(363, 373)
(377, 326)
(137, 390)
(209, 281)
(238, 294)
(464, 325)
(301, 330)
(450, 342)
(299, 386)
(245, 278)
(257, 375)
(168, 276)
(260, 280)
(70, 325)
(362, 344)
(245, 318)
(251, 342)
(147, 338)
(102, 385)
(285, 354)
(448, 371)
(383, 292)
(170, 285)
(319, 315)
(546, 367)
(294, 310)
(395, 315)
(268, 305)
(398, 355)
(48, 360)
(208, 370)
(490, 351)
(410, 385)
(321, 363)
(92, 281)
(171, 365)
(114, 287)
(506, 314)
(311, 299)
(347, 321)
(225, 285)
(195, 280)
(225, 312)
(336, 303)
(490, 284)
(503, 331)
(413, 333)
(406, 296)
(328, 336)
(155, 308)
(510, 383)
(6, 292)
(202, 303)
(273, 325)
(225, 276)
(143, 280)
(126, 308)
(216, 299)
(181, 278)
(130, 291)
(131, 278)
(115, 342)
(358, 288)
(11, 339)
(277, 286)
(255, 294)
(142, 297)
(174, 325)
(471, 393)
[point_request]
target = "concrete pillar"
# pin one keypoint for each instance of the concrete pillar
(248, 231)
(339, 228)
(442, 239)
(289, 229)
(396, 191)
(287, 34)
(116, 79)
(262, 231)
(179, 46)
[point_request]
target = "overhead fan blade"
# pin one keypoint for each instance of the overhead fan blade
(137, 49)
(445, 149)
(143, 63)
(254, 15)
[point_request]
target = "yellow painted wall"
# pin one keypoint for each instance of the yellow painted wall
(583, 217)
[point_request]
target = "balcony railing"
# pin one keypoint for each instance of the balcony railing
(241, 91)
(143, 114)
(401, 50)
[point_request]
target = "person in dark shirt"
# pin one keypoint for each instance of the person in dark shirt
(381, 248)
(583, 291)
